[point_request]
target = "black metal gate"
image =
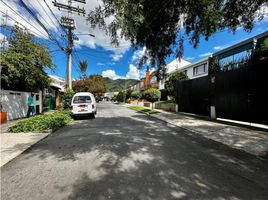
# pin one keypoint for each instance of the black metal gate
(193, 96)
(232, 94)
(240, 94)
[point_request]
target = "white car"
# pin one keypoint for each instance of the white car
(84, 103)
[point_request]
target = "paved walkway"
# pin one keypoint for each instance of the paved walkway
(13, 144)
(249, 140)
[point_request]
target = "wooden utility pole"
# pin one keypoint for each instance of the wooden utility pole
(69, 23)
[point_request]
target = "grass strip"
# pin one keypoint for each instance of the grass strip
(144, 110)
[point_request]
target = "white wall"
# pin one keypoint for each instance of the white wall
(15, 103)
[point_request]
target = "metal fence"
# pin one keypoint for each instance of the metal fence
(240, 94)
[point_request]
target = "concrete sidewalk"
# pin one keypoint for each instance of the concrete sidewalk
(249, 140)
(13, 144)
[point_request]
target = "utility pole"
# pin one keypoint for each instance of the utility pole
(69, 24)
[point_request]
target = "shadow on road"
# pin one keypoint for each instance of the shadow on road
(142, 158)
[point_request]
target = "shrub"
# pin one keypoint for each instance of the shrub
(152, 95)
(136, 95)
(67, 98)
(120, 96)
(42, 122)
(170, 84)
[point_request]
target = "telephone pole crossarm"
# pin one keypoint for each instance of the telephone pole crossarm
(69, 8)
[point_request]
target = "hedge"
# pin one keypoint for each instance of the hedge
(41, 123)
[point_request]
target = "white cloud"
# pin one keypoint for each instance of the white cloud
(100, 64)
(137, 55)
(133, 72)
(189, 58)
(110, 74)
(205, 54)
(111, 63)
(116, 57)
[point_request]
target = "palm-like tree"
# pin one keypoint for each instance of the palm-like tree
(83, 67)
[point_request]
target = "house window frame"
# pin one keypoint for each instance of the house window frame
(203, 67)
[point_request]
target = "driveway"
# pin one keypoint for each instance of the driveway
(125, 155)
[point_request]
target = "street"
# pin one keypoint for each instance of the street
(124, 155)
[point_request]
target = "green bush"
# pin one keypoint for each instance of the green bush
(120, 96)
(152, 95)
(67, 98)
(136, 95)
(42, 122)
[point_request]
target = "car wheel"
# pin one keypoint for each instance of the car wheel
(92, 116)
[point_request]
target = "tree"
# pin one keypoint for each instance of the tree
(170, 84)
(95, 84)
(162, 26)
(24, 62)
(152, 95)
(120, 96)
(136, 95)
(83, 67)
(261, 54)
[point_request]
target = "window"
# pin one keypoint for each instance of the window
(37, 97)
(82, 99)
(200, 69)
(154, 79)
(235, 61)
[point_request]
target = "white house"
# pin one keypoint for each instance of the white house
(192, 70)
(173, 66)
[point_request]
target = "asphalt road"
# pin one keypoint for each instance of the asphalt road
(125, 155)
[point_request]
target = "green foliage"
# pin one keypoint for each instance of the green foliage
(83, 67)
(136, 95)
(41, 123)
(170, 84)
(152, 95)
(95, 84)
(214, 65)
(23, 63)
(144, 110)
(261, 54)
(161, 26)
(67, 98)
(128, 94)
(120, 97)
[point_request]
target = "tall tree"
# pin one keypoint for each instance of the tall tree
(162, 26)
(95, 84)
(83, 64)
(23, 63)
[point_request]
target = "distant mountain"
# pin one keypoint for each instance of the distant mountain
(119, 84)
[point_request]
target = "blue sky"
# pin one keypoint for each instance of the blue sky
(103, 58)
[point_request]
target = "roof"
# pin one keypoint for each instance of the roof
(245, 42)
(176, 65)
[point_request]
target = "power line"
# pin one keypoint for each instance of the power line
(64, 30)
(41, 24)
(22, 18)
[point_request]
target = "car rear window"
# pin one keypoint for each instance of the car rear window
(82, 99)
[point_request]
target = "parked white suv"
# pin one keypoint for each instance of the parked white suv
(84, 103)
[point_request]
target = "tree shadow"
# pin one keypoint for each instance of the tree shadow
(143, 158)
